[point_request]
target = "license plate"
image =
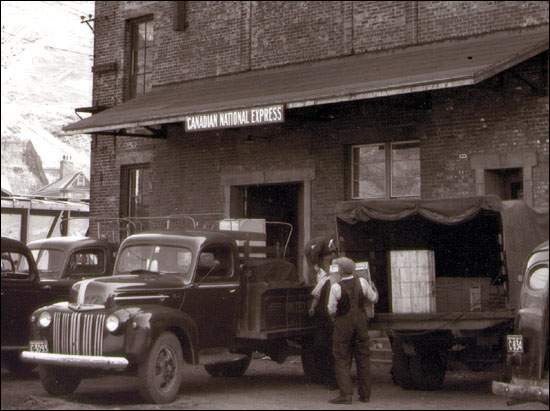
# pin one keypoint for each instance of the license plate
(38, 346)
(515, 343)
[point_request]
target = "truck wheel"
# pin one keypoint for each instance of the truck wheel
(229, 369)
(428, 370)
(58, 381)
(160, 375)
(17, 367)
(400, 371)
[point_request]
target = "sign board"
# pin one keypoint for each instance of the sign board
(235, 118)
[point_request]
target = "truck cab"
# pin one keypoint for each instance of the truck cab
(174, 298)
(527, 348)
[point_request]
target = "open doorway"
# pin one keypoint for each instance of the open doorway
(280, 203)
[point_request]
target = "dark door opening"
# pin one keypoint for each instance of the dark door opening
(506, 183)
(274, 203)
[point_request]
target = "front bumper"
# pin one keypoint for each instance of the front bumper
(76, 361)
(521, 391)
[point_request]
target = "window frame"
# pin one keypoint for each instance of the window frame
(213, 279)
(388, 163)
(133, 30)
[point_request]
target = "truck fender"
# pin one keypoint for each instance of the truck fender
(151, 321)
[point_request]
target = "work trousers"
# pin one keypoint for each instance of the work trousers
(323, 350)
(351, 339)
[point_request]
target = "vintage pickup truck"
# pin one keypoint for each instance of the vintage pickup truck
(527, 348)
(174, 298)
(43, 273)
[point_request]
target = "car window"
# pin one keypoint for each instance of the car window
(87, 262)
(49, 262)
(155, 259)
(14, 265)
(215, 264)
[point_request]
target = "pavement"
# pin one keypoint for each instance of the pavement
(266, 385)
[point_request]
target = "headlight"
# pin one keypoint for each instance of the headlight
(44, 319)
(538, 279)
(112, 323)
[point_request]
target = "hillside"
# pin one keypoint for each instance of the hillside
(46, 73)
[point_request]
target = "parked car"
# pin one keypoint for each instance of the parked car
(62, 261)
(528, 347)
(21, 295)
(173, 299)
(40, 274)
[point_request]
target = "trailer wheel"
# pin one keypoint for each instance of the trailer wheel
(160, 374)
(230, 369)
(58, 381)
(427, 370)
(400, 371)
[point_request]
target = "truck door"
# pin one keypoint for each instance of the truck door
(215, 299)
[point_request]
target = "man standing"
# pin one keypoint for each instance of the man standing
(346, 305)
(319, 253)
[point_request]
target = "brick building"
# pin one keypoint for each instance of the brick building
(380, 100)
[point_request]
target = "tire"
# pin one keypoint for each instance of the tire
(400, 371)
(232, 369)
(17, 367)
(160, 375)
(428, 370)
(58, 381)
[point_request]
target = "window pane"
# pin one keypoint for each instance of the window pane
(78, 227)
(11, 226)
(370, 171)
(406, 170)
(140, 36)
(39, 226)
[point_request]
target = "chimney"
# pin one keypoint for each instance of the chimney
(66, 167)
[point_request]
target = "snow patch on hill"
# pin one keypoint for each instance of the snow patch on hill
(46, 72)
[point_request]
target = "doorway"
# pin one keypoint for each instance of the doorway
(506, 183)
(276, 203)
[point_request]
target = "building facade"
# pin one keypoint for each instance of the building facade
(450, 140)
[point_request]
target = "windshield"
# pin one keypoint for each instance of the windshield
(154, 259)
(49, 262)
(14, 265)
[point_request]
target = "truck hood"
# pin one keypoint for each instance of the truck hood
(99, 290)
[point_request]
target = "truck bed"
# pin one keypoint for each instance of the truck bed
(442, 321)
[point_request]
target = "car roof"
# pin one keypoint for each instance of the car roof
(69, 243)
(189, 238)
(542, 247)
(10, 244)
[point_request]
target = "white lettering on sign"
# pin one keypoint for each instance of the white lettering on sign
(235, 118)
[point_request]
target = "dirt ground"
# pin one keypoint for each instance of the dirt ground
(266, 385)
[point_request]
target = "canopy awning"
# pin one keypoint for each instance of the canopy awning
(412, 69)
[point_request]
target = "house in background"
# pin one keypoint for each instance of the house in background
(72, 184)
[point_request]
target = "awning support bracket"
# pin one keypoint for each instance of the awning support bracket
(159, 132)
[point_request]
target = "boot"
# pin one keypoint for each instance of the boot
(341, 400)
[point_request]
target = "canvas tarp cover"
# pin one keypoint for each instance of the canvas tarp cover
(522, 227)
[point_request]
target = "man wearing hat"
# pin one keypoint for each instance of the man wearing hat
(319, 254)
(350, 338)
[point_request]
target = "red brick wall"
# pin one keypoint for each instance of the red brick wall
(187, 168)
(224, 37)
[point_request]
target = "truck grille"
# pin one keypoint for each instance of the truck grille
(78, 333)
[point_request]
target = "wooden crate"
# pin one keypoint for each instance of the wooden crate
(412, 274)
(460, 294)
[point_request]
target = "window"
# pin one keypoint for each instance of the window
(136, 187)
(154, 259)
(505, 183)
(14, 265)
(141, 56)
(87, 262)
(49, 262)
(80, 181)
(386, 170)
(215, 264)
